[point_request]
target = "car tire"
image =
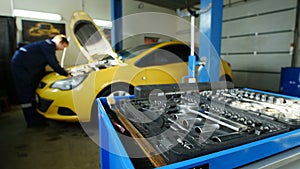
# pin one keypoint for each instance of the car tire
(226, 78)
(92, 126)
(120, 89)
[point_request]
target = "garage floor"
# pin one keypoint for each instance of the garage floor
(60, 145)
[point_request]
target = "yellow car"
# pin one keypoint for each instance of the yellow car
(72, 98)
(43, 29)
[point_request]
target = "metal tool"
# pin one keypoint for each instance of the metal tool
(220, 120)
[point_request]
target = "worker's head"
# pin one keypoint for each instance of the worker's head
(61, 42)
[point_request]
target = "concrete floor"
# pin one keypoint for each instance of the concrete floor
(58, 146)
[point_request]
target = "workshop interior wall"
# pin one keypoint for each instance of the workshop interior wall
(256, 40)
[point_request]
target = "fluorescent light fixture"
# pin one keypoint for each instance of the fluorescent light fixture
(37, 15)
(102, 23)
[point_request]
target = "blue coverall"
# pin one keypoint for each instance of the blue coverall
(27, 63)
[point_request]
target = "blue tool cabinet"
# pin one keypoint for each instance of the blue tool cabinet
(113, 153)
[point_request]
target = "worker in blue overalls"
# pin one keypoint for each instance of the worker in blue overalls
(27, 64)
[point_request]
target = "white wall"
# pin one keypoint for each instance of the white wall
(256, 41)
(5, 8)
(142, 19)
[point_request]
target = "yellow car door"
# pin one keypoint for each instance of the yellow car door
(165, 65)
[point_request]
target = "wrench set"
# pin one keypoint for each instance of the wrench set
(184, 125)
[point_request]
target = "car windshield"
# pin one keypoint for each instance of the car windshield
(132, 52)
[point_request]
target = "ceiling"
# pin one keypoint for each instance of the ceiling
(171, 4)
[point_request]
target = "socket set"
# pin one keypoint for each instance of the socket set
(184, 125)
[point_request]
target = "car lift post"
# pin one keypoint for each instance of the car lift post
(210, 26)
(210, 39)
(192, 58)
(116, 30)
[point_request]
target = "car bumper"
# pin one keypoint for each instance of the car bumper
(50, 109)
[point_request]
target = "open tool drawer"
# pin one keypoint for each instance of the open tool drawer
(233, 143)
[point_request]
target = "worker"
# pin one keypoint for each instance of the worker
(27, 65)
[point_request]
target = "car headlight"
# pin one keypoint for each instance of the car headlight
(68, 83)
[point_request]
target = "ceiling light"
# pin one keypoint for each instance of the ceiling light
(102, 23)
(37, 15)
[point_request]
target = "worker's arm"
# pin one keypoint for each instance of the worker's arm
(52, 61)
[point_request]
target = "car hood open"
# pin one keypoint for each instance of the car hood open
(92, 43)
(89, 37)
